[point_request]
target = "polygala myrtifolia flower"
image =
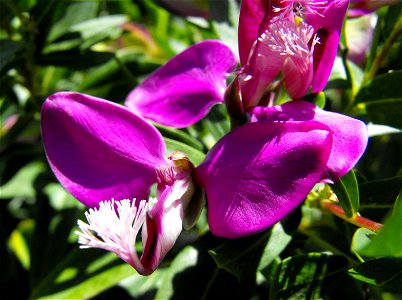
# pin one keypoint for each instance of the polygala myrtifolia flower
(253, 177)
(182, 91)
(298, 39)
(100, 151)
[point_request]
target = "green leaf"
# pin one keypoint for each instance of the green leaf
(386, 112)
(361, 239)
(184, 260)
(8, 51)
(382, 192)
(393, 16)
(277, 242)
(301, 277)
(90, 28)
(138, 286)
(388, 242)
(83, 274)
(22, 184)
(320, 100)
(19, 243)
(241, 257)
(195, 156)
(59, 198)
(340, 75)
(77, 12)
(377, 130)
(383, 87)
(384, 272)
(225, 17)
(180, 136)
(347, 191)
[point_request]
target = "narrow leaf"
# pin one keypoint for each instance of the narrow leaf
(301, 277)
(385, 272)
(83, 274)
(277, 242)
(184, 260)
(347, 191)
(388, 242)
(241, 257)
(379, 88)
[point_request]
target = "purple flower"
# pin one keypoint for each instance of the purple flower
(298, 39)
(182, 91)
(253, 176)
(260, 172)
(349, 135)
(101, 151)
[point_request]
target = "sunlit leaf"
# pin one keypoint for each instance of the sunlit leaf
(347, 191)
(225, 16)
(138, 285)
(185, 259)
(89, 28)
(361, 239)
(388, 242)
(59, 198)
(384, 272)
(83, 274)
(277, 242)
(22, 184)
(19, 242)
(376, 130)
(76, 13)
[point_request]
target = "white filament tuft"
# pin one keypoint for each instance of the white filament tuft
(301, 8)
(285, 37)
(114, 231)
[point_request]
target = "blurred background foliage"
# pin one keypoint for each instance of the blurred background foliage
(105, 48)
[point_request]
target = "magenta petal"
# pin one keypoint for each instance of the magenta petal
(260, 172)
(259, 72)
(252, 13)
(349, 135)
(328, 25)
(183, 90)
(298, 73)
(100, 150)
(163, 225)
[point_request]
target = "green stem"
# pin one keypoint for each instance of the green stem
(377, 62)
(357, 220)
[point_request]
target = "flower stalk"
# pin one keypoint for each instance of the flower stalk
(357, 220)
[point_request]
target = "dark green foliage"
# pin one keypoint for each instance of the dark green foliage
(87, 46)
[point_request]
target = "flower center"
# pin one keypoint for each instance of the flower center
(288, 39)
(114, 227)
(300, 8)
